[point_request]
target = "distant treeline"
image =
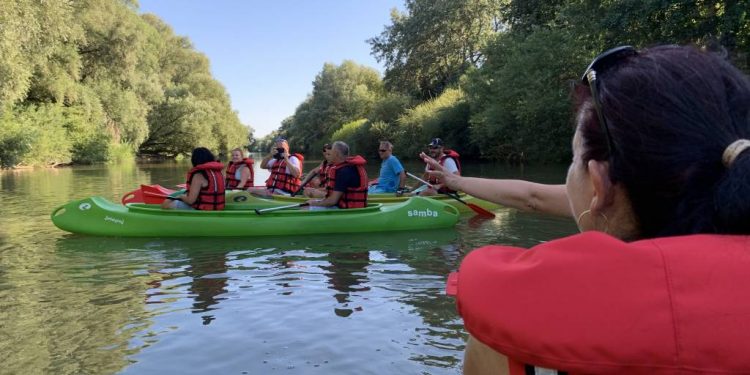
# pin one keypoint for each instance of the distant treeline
(493, 77)
(92, 80)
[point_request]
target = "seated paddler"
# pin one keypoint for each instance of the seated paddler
(239, 175)
(285, 168)
(205, 184)
(347, 180)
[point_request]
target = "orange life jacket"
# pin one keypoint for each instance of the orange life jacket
(446, 154)
(211, 197)
(352, 197)
(593, 304)
(231, 181)
(281, 180)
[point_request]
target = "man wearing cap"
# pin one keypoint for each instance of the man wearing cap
(285, 168)
(392, 177)
(448, 159)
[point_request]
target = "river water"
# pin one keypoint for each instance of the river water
(326, 304)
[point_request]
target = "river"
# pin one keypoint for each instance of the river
(325, 304)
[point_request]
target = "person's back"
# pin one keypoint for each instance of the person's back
(205, 184)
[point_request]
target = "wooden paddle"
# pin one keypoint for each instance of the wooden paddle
(474, 207)
(272, 209)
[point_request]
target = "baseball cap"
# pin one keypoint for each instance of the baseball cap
(436, 142)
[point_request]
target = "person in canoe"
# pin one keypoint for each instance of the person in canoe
(285, 168)
(314, 184)
(657, 282)
(448, 159)
(239, 174)
(347, 180)
(392, 178)
(205, 184)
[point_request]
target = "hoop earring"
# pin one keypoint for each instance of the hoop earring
(584, 213)
(578, 219)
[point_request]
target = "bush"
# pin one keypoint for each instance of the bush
(446, 116)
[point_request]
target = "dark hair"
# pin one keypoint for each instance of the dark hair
(201, 155)
(672, 111)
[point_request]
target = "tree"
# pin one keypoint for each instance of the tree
(341, 94)
(427, 49)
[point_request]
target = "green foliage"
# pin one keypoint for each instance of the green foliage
(358, 135)
(520, 99)
(341, 94)
(33, 135)
(427, 49)
(446, 117)
(91, 80)
(516, 73)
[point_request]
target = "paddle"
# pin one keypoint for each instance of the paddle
(162, 196)
(272, 209)
(309, 177)
(474, 207)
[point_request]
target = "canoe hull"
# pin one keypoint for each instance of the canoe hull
(100, 217)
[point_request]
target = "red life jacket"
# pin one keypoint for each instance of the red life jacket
(590, 303)
(279, 179)
(323, 173)
(211, 197)
(231, 181)
(352, 197)
(446, 154)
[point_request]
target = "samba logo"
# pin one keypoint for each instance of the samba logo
(422, 213)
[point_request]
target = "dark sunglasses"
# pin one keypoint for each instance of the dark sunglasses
(434, 147)
(601, 63)
(381, 150)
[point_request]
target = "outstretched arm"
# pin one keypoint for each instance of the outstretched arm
(519, 194)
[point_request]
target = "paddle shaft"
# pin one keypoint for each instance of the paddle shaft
(302, 185)
(455, 196)
(162, 196)
(272, 209)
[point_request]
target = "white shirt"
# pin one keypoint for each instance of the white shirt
(292, 160)
(449, 165)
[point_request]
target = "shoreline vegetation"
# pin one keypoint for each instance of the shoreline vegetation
(94, 81)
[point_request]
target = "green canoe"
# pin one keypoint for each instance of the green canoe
(98, 216)
(238, 197)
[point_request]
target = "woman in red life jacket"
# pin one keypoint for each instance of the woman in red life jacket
(347, 180)
(658, 281)
(448, 159)
(205, 184)
(240, 174)
(318, 177)
(285, 168)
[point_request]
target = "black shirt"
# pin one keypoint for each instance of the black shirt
(346, 177)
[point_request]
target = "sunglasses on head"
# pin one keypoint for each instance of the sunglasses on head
(600, 64)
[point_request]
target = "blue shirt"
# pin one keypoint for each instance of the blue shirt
(390, 169)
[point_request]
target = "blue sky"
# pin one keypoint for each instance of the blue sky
(267, 53)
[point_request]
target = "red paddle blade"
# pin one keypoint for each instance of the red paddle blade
(480, 210)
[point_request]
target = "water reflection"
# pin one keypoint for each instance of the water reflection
(209, 274)
(347, 274)
(369, 303)
(165, 278)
